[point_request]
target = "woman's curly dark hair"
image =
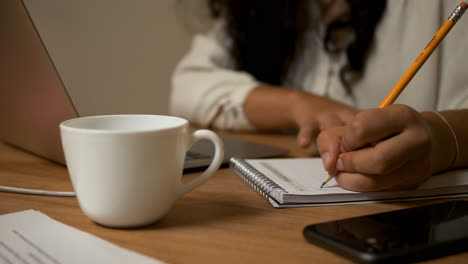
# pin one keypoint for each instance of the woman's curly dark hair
(267, 33)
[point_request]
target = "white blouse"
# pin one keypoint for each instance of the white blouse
(207, 90)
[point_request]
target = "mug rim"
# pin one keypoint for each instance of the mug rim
(65, 125)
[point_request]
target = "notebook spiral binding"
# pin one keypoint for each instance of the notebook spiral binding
(259, 182)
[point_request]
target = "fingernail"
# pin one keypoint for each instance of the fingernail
(325, 157)
(339, 165)
(303, 142)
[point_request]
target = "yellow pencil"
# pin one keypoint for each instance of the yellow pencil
(418, 63)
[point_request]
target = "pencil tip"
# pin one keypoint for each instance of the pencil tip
(323, 184)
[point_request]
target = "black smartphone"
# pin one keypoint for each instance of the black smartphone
(399, 236)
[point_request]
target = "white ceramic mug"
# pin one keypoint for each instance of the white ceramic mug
(126, 170)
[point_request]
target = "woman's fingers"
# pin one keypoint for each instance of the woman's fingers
(380, 149)
(358, 182)
(310, 129)
(374, 125)
(409, 176)
(387, 155)
(306, 133)
(381, 140)
(328, 144)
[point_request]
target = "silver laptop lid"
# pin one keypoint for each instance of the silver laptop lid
(29, 83)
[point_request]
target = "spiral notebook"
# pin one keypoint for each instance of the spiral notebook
(295, 182)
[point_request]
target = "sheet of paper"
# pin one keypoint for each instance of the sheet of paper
(31, 237)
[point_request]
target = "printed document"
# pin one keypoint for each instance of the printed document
(33, 237)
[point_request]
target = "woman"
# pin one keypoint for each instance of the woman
(269, 65)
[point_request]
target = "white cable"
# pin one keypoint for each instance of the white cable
(34, 191)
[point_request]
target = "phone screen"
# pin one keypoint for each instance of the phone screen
(412, 234)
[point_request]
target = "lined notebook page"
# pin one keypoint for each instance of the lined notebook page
(304, 176)
(298, 176)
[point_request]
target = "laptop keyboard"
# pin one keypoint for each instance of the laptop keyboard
(192, 155)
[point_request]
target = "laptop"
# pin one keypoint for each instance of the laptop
(34, 99)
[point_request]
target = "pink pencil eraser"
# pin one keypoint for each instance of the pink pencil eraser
(463, 5)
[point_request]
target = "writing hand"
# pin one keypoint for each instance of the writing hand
(380, 149)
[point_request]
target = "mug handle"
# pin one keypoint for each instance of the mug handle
(215, 163)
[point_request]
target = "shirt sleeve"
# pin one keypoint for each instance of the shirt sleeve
(206, 89)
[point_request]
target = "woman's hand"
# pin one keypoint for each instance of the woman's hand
(381, 149)
(274, 108)
(313, 114)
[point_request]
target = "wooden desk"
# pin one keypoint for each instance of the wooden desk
(223, 221)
